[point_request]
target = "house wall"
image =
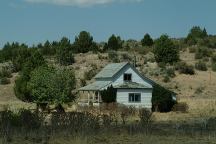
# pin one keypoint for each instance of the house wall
(146, 97)
(119, 78)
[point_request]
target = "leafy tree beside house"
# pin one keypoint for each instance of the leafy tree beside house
(165, 50)
(147, 40)
(48, 85)
(29, 64)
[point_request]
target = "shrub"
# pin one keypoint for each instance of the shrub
(107, 120)
(146, 119)
(183, 68)
(5, 81)
(166, 79)
(202, 52)
(205, 59)
(201, 66)
(180, 107)
(213, 58)
(145, 116)
(192, 49)
(214, 67)
(124, 112)
(162, 99)
(24, 118)
(109, 95)
(126, 57)
(76, 122)
(199, 90)
(82, 82)
(162, 65)
(88, 75)
(113, 56)
(5, 72)
(170, 72)
(30, 120)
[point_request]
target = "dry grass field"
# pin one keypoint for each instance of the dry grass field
(124, 139)
(198, 91)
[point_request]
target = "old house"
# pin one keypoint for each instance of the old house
(133, 89)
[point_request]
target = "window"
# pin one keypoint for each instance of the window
(127, 77)
(134, 97)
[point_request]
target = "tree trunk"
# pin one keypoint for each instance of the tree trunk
(59, 108)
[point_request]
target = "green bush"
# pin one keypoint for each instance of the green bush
(202, 52)
(113, 56)
(88, 75)
(214, 67)
(162, 65)
(4, 81)
(183, 68)
(109, 95)
(192, 49)
(126, 57)
(213, 58)
(205, 59)
(22, 118)
(201, 66)
(5, 72)
(165, 50)
(162, 99)
(166, 79)
(170, 72)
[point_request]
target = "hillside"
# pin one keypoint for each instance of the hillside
(198, 90)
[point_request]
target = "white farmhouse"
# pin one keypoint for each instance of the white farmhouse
(133, 89)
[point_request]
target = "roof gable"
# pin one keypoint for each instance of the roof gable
(110, 70)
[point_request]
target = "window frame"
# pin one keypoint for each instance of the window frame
(133, 99)
(125, 77)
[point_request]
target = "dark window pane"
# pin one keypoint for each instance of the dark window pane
(127, 77)
(134, 97)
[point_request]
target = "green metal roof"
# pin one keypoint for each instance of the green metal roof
(98, 85)
(110, 70)
(131, 85)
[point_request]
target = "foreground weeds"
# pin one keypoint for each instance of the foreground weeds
(26, 127)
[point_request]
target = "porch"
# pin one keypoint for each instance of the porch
(90, 98)
(90, 94)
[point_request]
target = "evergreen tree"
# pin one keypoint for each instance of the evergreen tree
(65, 52)
(109, 95)
(114, 43)
(84, 42)
(165, 50)
(196, 34)
(29, 64)
(147, 40)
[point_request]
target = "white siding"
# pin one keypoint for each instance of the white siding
(146, 96)
(119, 78)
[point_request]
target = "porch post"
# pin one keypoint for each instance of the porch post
(93, 97)
(98, 98)
(88, 98)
